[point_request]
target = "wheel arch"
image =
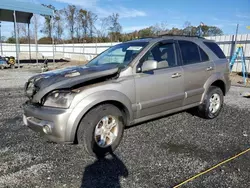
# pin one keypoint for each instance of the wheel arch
(215, 80)
(107, 97)
(220, 84)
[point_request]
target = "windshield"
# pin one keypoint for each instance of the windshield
(121, 54)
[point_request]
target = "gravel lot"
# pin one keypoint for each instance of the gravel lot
(159, 153)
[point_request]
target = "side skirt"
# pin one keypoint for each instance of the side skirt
(146, 118)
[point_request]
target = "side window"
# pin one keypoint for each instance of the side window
(190, 52)
(204, 56)
(164, 54)
(216, 49)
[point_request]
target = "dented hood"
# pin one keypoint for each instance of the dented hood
(41, 84)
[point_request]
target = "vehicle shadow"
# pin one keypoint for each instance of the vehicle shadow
(104, 172)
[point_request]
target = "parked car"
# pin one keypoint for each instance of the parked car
(127, 84)
(3, 63)
(11, 61)
(6, 62)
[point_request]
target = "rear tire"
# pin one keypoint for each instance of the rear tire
(95, 119)
(212, 104)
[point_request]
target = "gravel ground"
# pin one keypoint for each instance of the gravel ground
(159, 153)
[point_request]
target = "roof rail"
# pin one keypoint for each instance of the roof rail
(145, 38)
(173, 35)
(166, 35)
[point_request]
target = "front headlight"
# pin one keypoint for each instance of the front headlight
(30, 89)
(59, 99)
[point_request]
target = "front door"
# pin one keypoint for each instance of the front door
(160, 89)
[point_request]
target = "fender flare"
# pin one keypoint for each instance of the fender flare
(213, 78)
(89, 102)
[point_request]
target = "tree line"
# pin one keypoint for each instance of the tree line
(84, 26)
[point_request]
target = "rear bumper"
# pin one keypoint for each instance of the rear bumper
(49, 122)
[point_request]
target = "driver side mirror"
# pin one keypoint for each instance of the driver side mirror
(149, 65)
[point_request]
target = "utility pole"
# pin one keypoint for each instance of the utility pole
(248, 71)
(1, 38)
(236, 34)
(17, 41)
(235, 42)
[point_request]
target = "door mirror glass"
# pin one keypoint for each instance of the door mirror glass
(149, 65)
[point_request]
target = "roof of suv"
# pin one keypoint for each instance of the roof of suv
(177, 37)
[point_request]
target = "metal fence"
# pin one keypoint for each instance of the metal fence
(80, 52)
(71, 51)
(228, 44)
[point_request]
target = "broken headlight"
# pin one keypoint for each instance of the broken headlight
(59, 99)
(29, 89)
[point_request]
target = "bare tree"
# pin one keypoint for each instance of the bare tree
(58, 24)
(47, 29)
(160, 28)
(115, 27)
(82, 19)
(78, 31)
(70, 13)
(18, 28)
(187, 24)
(187, 28)
(22, 30)
(104, 26)
(92, 18)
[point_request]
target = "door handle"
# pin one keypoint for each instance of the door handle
(210, 68)
(176, 75)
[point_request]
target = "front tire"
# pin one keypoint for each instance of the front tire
(212, 104)
(101, 130)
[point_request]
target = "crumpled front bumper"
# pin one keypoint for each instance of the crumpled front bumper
(49, 122)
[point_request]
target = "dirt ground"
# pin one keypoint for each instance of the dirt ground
(238, 80)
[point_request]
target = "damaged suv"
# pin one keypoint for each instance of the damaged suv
(127, 84)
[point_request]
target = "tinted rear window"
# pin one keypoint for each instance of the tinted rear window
(190, 52)
(216, 49)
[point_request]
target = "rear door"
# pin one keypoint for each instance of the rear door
(197, 69)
